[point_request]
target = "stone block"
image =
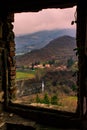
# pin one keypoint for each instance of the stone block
(12, 68)
(10, 17)
(12, 77)
(1, 96)
(12, 48)
(13, 73)
(1, 29)
(12, 83)
(11, 44)
(12, 53)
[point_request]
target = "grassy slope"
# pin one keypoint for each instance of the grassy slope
(68, 103)
(25, 75)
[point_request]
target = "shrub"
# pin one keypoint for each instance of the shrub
(38, 100)
(74, 87)
(54, 100)
(46, 99)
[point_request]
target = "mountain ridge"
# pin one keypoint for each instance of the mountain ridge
(37, 40)
(60, 48)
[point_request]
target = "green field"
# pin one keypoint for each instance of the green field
(29, 74)
(25, 75)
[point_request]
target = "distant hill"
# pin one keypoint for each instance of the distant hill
(60, 48)
(28, 42)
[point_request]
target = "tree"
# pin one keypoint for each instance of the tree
(51, 62)
(54, 100)
(74, 87)
(70, 62)
(32, 66)
(46, 99)
(37, 99)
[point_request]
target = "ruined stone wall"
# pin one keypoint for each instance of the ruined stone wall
(2, 50)
(8, 35)
(7, 58)
(82, 60)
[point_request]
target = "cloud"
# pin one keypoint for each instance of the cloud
(47, 19)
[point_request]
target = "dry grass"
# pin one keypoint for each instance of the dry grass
(69, 103)
(65, 103)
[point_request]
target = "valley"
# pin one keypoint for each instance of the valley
(46, 77)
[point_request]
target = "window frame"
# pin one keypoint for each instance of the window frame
(41, 115)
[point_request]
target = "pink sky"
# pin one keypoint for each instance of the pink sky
(47, 19)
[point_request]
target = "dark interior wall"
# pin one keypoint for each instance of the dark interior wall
(7, 43)
(7, 62)
(82, 58)
(26, 5)
(1, 65)
(7, 46)
(1, 62)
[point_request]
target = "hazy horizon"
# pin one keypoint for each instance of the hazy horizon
(47, 19)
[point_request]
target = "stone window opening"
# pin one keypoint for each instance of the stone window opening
(8, 36)
(12, 63)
